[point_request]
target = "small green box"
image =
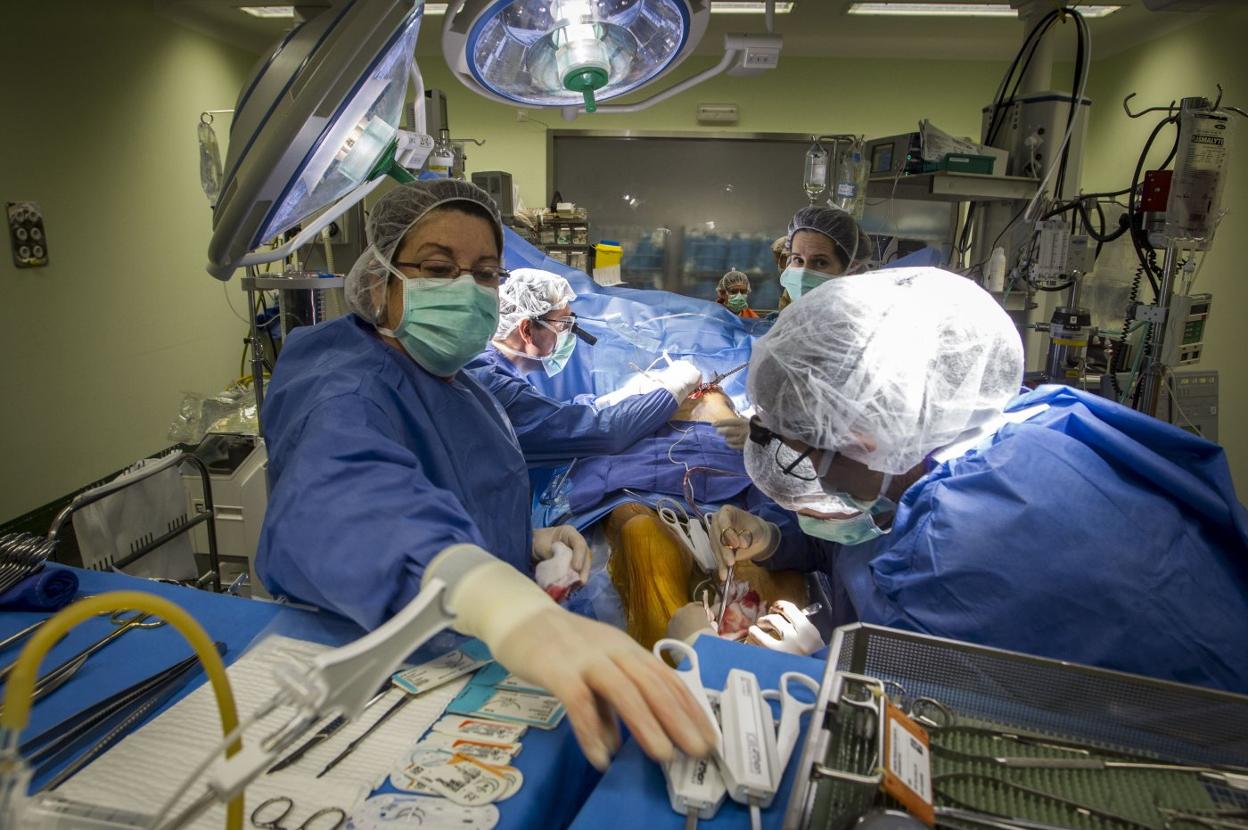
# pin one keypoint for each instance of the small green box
(966, 163)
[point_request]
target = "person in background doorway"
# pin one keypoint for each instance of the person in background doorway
(733, 292)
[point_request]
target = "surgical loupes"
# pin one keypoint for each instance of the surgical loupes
(695, 786)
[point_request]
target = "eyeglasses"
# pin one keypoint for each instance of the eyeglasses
(787, 458)
(441, 269)
(559, 324)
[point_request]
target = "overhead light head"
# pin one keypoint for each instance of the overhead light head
(317, 120)
(563, 53)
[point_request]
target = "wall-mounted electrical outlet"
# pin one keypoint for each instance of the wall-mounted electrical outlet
(26, 234)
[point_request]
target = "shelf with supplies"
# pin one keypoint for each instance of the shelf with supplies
(948, 186)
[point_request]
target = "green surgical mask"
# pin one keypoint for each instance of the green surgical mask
(737, 302)
(445, 323)
(798, 281)
(554, 362)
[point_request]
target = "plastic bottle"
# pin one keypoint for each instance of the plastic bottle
(442, 159)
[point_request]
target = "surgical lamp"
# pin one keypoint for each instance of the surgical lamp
(317, 129)
(574, 54)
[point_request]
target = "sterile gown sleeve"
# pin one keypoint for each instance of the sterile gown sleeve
(354, 520)
(550, 431)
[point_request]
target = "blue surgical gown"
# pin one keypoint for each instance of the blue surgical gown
(1089, 533)
(375, 466)
(552, 431)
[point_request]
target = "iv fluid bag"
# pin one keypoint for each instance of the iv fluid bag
(1196, 189)
(850, 194)
(209, 163)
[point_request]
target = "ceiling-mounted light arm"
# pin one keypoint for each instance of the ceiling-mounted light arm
(769, 16)
(418, 101)
(726, 63)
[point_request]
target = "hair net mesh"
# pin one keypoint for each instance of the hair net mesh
(528, 294)
(908, 359)
(390, 220)
(837, 225)
(733, 278)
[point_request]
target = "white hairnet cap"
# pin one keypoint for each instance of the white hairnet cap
(732, 278)
(528, 294)
(837, 225)
(390, 220)
(906, 359)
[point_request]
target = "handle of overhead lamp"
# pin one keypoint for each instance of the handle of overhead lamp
(730, 57)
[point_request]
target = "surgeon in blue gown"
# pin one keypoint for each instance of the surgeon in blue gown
(389, 465)
(1055, 523)
(537, 332)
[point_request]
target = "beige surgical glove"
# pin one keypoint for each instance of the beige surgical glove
(689, 622)
(737, 536)
(544, 539)
(734, 430)
(594, 669)
(786, 629)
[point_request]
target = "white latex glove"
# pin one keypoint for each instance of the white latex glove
(595, 670)
(734, 430)
(786, 629)
(544, 539)
(754, 539)
(680, 378)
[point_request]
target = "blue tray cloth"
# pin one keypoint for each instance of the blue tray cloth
(557, 778)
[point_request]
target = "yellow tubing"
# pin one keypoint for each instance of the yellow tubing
(21, 683)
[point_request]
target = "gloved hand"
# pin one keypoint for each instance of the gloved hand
(544, 539)
(594, 669)
(680, 378)
(735, 431)
(786, 629)
(737, 536)
(689, 621)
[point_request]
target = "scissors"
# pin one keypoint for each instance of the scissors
(59, 676)
(719, 378)
(694, 532)
(270, 815)
(741, 539)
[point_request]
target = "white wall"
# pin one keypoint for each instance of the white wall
(100, 101)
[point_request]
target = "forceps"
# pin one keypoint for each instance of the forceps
(740, 539)
(59, 676)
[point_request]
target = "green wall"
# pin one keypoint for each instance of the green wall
(1185, 63)
(100, 103)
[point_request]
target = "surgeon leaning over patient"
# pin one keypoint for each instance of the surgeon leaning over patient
(537, 332)
(1055, 523)
(387, 463)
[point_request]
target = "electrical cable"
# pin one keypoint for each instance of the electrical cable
(18, 690)
(999, 106)
(1139, 236)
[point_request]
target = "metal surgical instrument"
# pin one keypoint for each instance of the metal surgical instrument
(270, 815)
(355, 744)
(57, 677)
(323, 734)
